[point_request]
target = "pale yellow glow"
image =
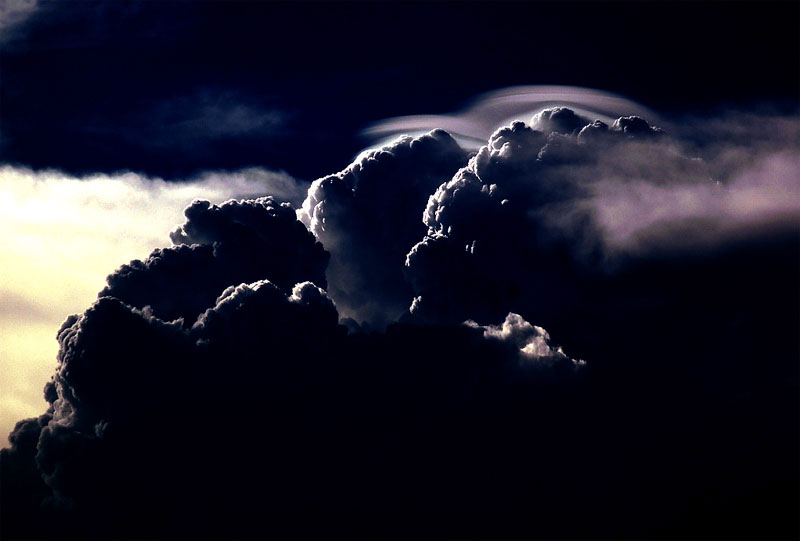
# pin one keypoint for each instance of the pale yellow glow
(61, 236)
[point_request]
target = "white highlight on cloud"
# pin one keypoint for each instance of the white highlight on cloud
(532, 341)
(472, 126)
(63, 235)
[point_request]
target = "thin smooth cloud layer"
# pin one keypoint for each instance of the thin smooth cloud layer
(473, 125)
(217, 388)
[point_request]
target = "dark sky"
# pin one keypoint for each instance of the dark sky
(169, 88)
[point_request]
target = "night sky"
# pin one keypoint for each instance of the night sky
(451, 269)
(169, 89)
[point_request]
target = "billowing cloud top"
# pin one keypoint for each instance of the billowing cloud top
(367, 216)
(536, 205)
(217, 386)
(238, 241)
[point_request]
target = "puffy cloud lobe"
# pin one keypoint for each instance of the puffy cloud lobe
(218, 246)
(368, 217)
(558, 120)
(141, 283)
(237, 321)
(485, 239)
(594, 132)
(533, 341)
(97, 368)
(634, 126)
(132, 393)
(117, 362)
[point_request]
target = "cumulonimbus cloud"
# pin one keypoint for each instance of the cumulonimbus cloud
(143, 374)
(458, 415)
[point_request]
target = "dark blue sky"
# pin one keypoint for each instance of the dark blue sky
(170, 88)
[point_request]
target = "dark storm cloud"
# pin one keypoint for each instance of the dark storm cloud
(267, 403)
(220, 245)
(133, 395)
(669, 261)
(368, 217)
(262, 414)
(533, 212)
(263, 400)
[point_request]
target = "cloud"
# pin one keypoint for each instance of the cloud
(145, 414)
(474, 125)
(533, 342)
(559, 120)
(62, 235)
(548, 208)
(257, 397)
(368, 217)
(641, 217)
(265, 405)
(220, 245)
(15, 12)
(251, 181)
